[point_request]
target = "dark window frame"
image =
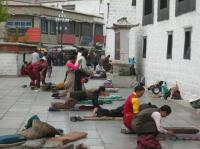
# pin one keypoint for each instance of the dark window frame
(148, 10)
(144, 50)
(53, 27)
(169, 45)
(133, 2)
(44, 26)
(77, 28)
(185, 6)
(187, 44)
(148, 14)
(163, 5)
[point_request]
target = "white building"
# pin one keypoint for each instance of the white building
(166, 43)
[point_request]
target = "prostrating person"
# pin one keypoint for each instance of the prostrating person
(148, 121)
(74, 97)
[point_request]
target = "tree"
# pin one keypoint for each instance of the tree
(3, 11)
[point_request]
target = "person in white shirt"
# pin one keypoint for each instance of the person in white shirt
(35, 57)
(83, 70)
(148, 121)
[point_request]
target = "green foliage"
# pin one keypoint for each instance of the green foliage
(16, 37)
(25, 39)
(3, 11)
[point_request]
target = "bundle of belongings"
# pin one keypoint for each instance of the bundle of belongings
(148, 142)
(38, 134)
(108, 84)
(160, 89)
(195, 103)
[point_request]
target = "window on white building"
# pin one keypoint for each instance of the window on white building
(185, 6)
(163, 4)
(133, 2)
(148, 7)
(187, 45)
(169, 45)
(144, 47)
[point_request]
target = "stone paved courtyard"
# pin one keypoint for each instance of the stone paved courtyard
(17, 104)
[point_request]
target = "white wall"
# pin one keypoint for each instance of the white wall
(119, 9)
(156, 67)
(11, 63)
(8, 64)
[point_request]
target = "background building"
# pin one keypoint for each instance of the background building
(165, 44)
(35, 23)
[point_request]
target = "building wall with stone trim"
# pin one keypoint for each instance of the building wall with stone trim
(156, 66)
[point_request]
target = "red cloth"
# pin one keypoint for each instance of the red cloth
(34, 72)
(148, 142)
(128, 112)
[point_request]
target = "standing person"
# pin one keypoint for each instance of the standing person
(43, 72)
(148, 121)
(131, 106)
(83, 70)
(71, 67)
(50, 64)
(35, 57)
(74, 97)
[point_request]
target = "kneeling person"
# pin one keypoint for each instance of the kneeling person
(148, 121)
(74, 97)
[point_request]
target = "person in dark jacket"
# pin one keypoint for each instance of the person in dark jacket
(148, 121)
(74, 97)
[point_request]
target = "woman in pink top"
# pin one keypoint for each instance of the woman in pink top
(70, 80)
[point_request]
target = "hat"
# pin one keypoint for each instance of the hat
(44, 58)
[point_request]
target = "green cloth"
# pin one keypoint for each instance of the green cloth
(9, 139)
(104, 100)
(101, 102)
(112, 98)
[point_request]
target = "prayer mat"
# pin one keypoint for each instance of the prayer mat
(176, 137)
(78, 108)
(70, 137)
(52, 144)
(183, 130)
(94, 118)
(11, 144)
(34, 144)
(70, 146)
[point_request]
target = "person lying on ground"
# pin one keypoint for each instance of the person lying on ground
(74, 97)
(148, 121)
(118, 112)
(131, 106)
